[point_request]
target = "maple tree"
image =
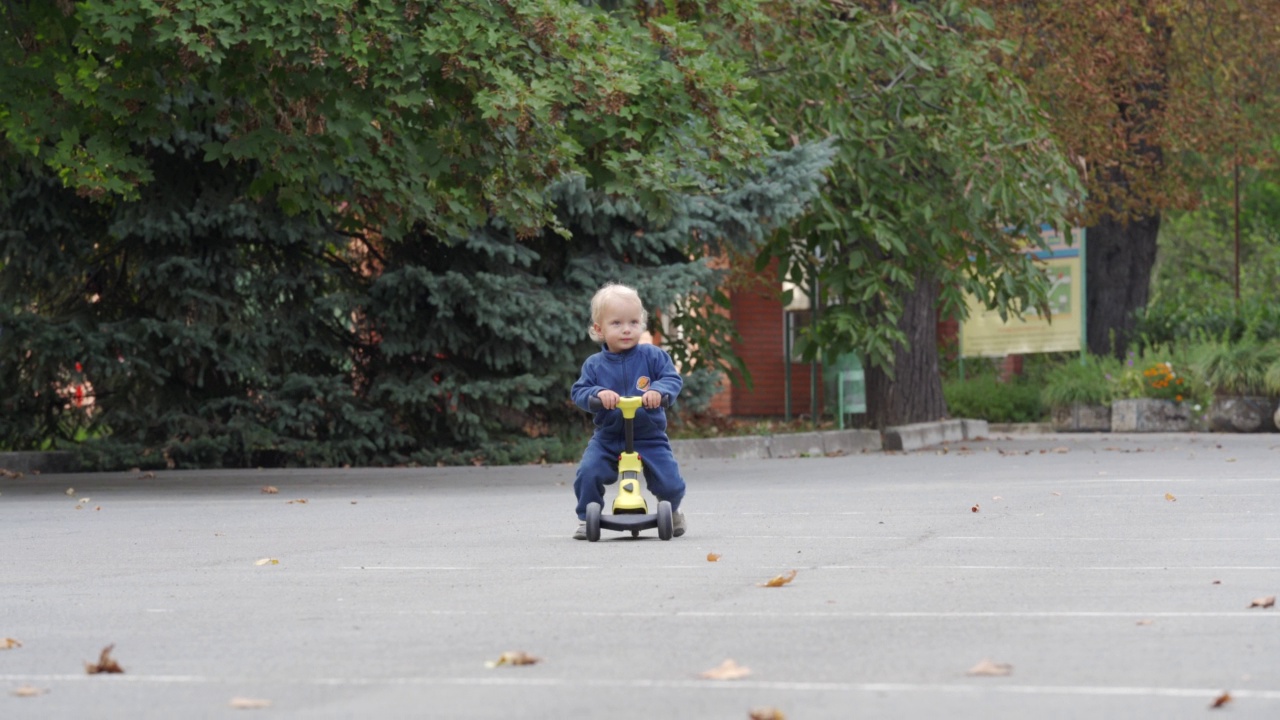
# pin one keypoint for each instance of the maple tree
(1153, 98)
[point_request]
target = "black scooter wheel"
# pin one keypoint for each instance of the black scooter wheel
(593, 522)
(665, 526)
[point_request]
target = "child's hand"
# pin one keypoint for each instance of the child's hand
(608, 399)
(652, 399)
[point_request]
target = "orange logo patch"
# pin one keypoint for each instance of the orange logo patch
(643, 383)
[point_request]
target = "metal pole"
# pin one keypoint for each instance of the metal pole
(1237, 190)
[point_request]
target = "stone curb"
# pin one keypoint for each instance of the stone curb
(922, 435)
(787, 445)
(38, 462)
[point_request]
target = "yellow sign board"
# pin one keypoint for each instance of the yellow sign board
(984, 334)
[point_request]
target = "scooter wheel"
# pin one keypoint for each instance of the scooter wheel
(593, 522)
(666, 527)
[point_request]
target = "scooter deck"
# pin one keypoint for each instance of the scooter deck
(626, 522)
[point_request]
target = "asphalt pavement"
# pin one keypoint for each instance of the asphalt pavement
(1100, 576)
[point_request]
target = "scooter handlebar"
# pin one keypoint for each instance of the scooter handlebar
(595, 405)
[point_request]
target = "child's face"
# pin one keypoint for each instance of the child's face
(620, 324)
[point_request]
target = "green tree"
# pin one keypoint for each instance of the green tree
(944, 174)
(400, 113)
(318, 235)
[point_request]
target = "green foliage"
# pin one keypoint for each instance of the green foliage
(1244, 367)
(1083, 381)
(945, 169)
(217, 331)
(301, 232)
(1193, 318)
(400, 113)
(988, 398)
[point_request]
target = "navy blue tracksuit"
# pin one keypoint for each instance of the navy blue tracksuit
(628, 373)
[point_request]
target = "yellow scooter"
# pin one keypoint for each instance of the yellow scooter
(630, 509)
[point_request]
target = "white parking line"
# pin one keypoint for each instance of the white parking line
(975, 688)
(883, 615)
(697, 566)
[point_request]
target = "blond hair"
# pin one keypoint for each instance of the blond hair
(607, 295)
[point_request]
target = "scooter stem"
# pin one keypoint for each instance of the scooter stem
(628, 406)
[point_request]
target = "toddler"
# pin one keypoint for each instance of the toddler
(626, 367)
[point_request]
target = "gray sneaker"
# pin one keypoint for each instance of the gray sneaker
(677, 524)
(581, 532)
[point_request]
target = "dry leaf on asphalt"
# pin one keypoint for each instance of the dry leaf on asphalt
(712, 557)
(70, 491)
(267, 561)
(766, 714)
(300, 501)
(991, 669)
(975, 508)
(1145, 622)
(1221, 700)
(780, 580)
(270, 489)
(517, 657)
(1263, 602)
(28, 691)
(105, 664)
(1062, 450)
(244, 703)
(1170, 497)
(727, 670)
(9, 644)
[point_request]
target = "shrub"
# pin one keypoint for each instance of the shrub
(988, 398)
(1081, 381)
(1247, 367)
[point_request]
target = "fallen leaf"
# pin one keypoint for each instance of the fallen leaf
(97, 508)
(147, 476)
(780, 580)
(997, 498)
(28, 691)
(267, 561)
(727, 670)
(712, 557)
(766, 714)
(517, 657)
(1231, 459)
(1264, 602)
(1217, 582)
(1170, 497)
(1062, 450)
(1221, 700)
(991, 669)
(974, 508)
(1145, 622)
(244, 703)
(70, 491)
(270, 489)
(9, 644)
(1056, 494)
(300, 501)
(105, 664)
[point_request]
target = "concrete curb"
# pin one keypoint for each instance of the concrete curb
(788, 445)
(922, 435)
(38, 462)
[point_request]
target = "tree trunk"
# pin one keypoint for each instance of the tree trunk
(914, 394)
(1118, 262)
